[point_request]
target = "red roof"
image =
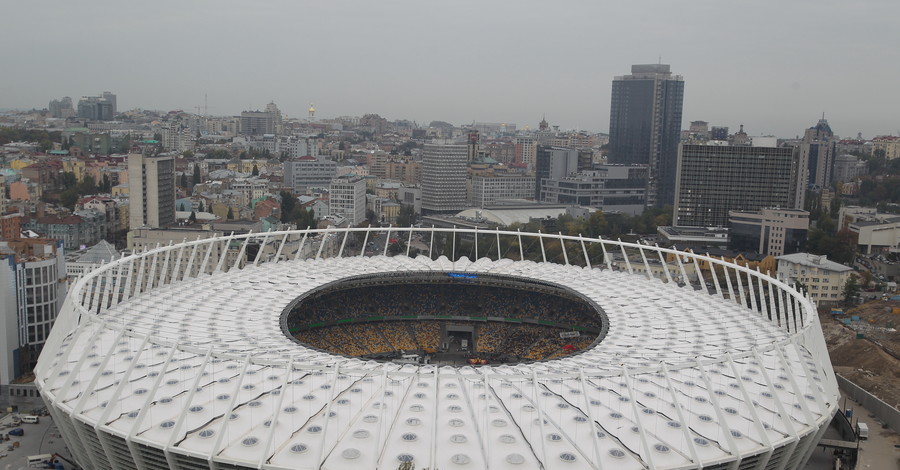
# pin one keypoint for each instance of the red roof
(57, 220)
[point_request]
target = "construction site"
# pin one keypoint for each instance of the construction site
(864, 346)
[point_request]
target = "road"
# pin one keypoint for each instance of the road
(40, 438)
(881, 451)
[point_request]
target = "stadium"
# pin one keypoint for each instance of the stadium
(288, 350)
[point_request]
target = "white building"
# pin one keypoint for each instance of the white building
(32, 288)
(444, 177)
(824, 280)
(348, 198)
(878, 235)
(486, 190)
(305, 173)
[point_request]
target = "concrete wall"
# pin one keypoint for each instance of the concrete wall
(884, 412)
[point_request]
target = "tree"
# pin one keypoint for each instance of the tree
(230, 215)
(193, 217)
(371, 217)
(851, 288)
(288, 202)
(195, 178)
(407, 216)
(181, 207)
(597, 225)
(183, 181)
(201, 209)
(255, 171)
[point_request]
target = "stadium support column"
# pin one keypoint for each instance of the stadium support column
(261, 248)
(590, 413)
(190, 265)
(283, 242)
(606, 258)
(587, 259)
(535, 394)
(303, 241)
(343, 242)
(178, 259)
(662, 262)
(646, 263)
(562, 246)
(625, 257)
(179, 423)
(692, 447)
(541, 240)
(757, 422)
(270, 438)
(637, 420)
(237, 261)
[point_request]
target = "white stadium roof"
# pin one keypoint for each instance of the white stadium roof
(198, 370)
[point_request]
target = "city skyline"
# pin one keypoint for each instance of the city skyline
(404, 63)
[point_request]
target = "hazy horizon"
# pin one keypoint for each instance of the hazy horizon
(774, 67)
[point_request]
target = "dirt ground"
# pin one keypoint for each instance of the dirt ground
(872, 362)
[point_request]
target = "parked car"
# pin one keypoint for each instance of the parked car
(16, 432)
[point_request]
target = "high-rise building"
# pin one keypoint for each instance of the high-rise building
(111, 99)
(32, 288)
(151, 187)
(816, 164)
(97, 108)
(715, 179)
(444, 177)
(61, 108)
(645, 126)
(347, 198)
(553, 163)
(306, 173)
(260, 122)
(526, 149)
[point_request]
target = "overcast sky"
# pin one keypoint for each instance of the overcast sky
(772, 65)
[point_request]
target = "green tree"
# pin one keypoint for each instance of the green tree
(183, 182)
(597, 225)
(193, 217)
(407, 216)
(288, 202)
(195, 178)
(68, 198)
(230, 215)
(255, 171)
(851, 288)
(200, 208)
(181, 207)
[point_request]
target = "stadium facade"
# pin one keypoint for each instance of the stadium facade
(164, 359)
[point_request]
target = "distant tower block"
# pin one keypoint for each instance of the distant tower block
(312, 111)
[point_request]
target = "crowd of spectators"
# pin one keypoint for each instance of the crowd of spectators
(442, 299)
(525, 341)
